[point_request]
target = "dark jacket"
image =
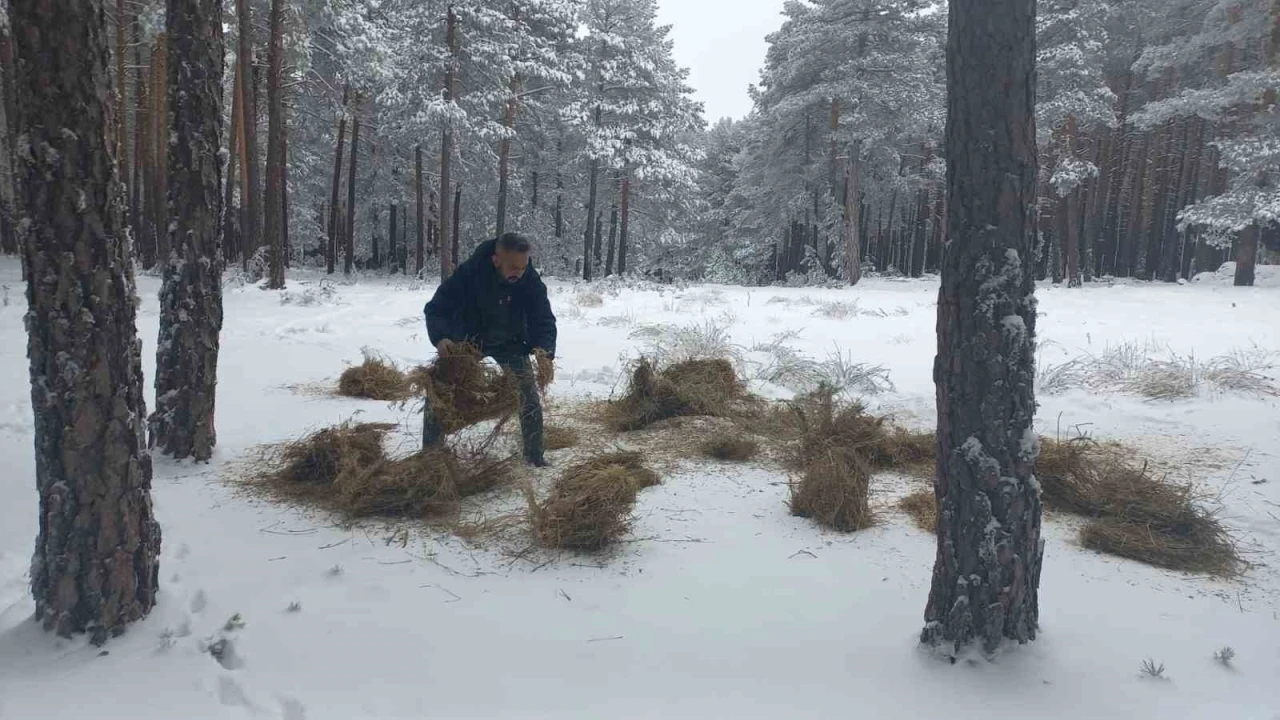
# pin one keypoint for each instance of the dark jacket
(462, 304)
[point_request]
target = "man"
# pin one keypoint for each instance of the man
(497, 301)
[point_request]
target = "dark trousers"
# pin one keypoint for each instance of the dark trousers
(530, 408)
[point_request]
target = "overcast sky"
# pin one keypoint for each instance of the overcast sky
(722, 44)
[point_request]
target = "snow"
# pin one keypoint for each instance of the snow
(722, 606)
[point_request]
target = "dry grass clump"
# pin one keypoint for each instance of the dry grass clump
(1136, 515)
(430, 482)
(345, 469)
(821, 420)
(559, 437)
(463, 390)
(834, 490)
(922, 506)
(374, 379)
(590, 505)
(688, 388)
(730, 447)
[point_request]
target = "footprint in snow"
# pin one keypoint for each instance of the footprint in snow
(199, 602)
(231, 693)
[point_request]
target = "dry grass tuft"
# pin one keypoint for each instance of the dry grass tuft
(430, 482)
(590, 505)
(1136, 515)
(321, 458)
(730, 447)
(922, 506)
(834, 490)
(559, 437)
(823, 421)
(689, 388)
(374, 379)
(463, 390)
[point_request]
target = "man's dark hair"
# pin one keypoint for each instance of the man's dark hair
(514, 242)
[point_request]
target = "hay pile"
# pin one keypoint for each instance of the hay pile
(345, 469)
(729, 447)
(560, 437)
(463, 390)
(1134, 514)
(922, 506)
(689, 388)
(374, 379)
(590, 505)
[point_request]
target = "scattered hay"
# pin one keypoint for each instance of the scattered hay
(1136, 515)
(589, 299)
(727, 447)
(824, 422)
(1195, 547)
(430, 482)
(922, 506)
(463, 390)
(689, 388)
(559, 437)
(834, 490)
(374, 379)
(320, 458)
(590, 505)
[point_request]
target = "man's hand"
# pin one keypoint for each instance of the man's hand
(546, 368)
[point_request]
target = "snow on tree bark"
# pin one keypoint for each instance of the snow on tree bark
(987, 572)
(95, 567)
(273, 236)
(191, 296)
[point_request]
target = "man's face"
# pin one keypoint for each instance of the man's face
(511, 264)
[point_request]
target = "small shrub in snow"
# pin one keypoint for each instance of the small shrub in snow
(1153, 670)
(235, 622)
(841, 372)
(294, 607)
(589, 299)
(311, 296)
(1225, 656)
(1160, 374)
(668, 343)
(335, 571)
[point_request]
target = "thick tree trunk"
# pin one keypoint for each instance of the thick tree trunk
(623, 223)
(1071, 237)
(250, 192)
(447, 258)
(1247, 256)
(229, 213)
(191, 297)
(391, 242)
(986, 576)
(852, 218)
(144, 228)
(331, 251)
(121, 100)
(8, 161)
(421, 220)
(590, 225)
(273, 236)
(160, 103)
(455, 227)
(349, 234)
(95, 567)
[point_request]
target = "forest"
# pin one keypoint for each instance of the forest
(393, 136)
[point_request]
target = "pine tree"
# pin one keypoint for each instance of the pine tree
(95, 568)
(986, 575)
(273, 237)
(191, 297)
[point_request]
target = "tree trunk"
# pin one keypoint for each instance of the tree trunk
(191, 297)
(8, 161)
(160, 102)
(349, 235)
(433, 224)
(598, 241)
(421, 222)
(625, 216)
(95, 568)
(613, 229)
(120, 101)
(391, 243)
(447, 258)
(588, 231)
(457, 212)
(504, 153)
(1071, 237)
(986, 576)
(331, 252)
(144, 149)
(559, 212)
(229, 215)
(273, 236)
(250, 197)
(1247, 256)
(852, 218)
(284, 191)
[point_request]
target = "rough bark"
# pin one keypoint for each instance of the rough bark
(95, 568)
(1247, 256)
(8, 119)
(624, 223)
(250, 194)
(273, 235)
(987, 573)
(349, 233)
(160, 116)
(191, 297)
(120, 99)
(447, 258)
(331, 249)
(421, 220)
(144, 226)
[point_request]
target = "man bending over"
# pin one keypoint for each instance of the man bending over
(497, 301)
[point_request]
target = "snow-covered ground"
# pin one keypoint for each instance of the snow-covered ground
(723, 606)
